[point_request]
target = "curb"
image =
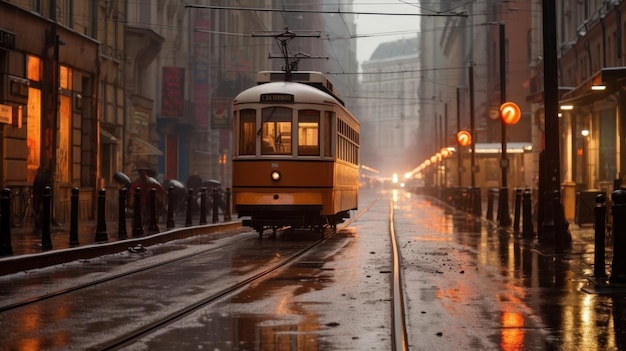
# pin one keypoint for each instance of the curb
(14, 264)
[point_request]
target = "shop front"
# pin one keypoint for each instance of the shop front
(48, 117)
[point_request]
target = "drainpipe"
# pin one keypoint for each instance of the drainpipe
(603, 41)
(618, 34)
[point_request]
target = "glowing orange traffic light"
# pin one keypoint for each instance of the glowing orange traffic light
(510, 113)
(464, 138)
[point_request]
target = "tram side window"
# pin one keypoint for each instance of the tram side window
(308, 133)
(247, 132)
(347, 143)
(328, 119)
(276, 131)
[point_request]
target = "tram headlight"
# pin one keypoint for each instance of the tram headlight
(275, 176)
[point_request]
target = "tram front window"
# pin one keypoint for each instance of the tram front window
(276, 131)
(308, 133)
(247, 131)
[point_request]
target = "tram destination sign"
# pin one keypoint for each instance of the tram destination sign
(277, 98)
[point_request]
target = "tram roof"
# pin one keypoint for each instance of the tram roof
(302, 93)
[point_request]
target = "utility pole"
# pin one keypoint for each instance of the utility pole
(472, 125)
(445, 144)
(503, 197)
(553, 231)
(458, 129)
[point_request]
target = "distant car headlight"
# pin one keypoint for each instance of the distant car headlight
(275, 175)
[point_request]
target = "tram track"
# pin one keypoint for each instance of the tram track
(398, 325)
(221, 284)
(139, 333)
(109, 278)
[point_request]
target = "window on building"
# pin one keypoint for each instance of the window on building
(65, 78)
(34, 68)
(33, 133)
(63, 143)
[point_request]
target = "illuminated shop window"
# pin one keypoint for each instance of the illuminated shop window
(33, 133)
(65, 78)
(63, 143)
(34, 68)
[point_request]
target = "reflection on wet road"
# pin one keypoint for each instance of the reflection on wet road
(491, 290)
(468, 286)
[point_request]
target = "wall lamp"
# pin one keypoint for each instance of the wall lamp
(584, 132)
(582, 30)
(598, 87)
(567, 107)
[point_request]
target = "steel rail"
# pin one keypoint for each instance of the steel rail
(48, 295)
(398, 320)
(141, 332)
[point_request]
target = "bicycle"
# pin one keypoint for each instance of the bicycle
(21, 205)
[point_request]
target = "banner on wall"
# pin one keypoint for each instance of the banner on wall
(173, 95)
(220, 114)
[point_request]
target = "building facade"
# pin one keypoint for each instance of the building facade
(49, 66)
(390, 119)
(591, 47)
(93, 88)
(461, 84)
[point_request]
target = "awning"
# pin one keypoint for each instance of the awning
(610, 78)
(108, 138)
(140, 147)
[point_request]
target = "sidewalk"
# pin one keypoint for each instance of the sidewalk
(26, 243)
(27, 240)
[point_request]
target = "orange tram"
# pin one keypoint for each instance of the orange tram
(295, 154)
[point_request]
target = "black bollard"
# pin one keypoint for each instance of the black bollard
(465, 200)
(189, 207)
(504, 218)
(137, 223)
(528, 232)
(562, 239)
(489, 215)
(74, 218)
(227, 216)
(153, 227)
(518, 202)
(121, 214)
(618, 266)
(101, 227)
(216, 202)
(5, 223)
(46, 239)
(170, 207)
(599, 231)
(202, 206)
(477, 210)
